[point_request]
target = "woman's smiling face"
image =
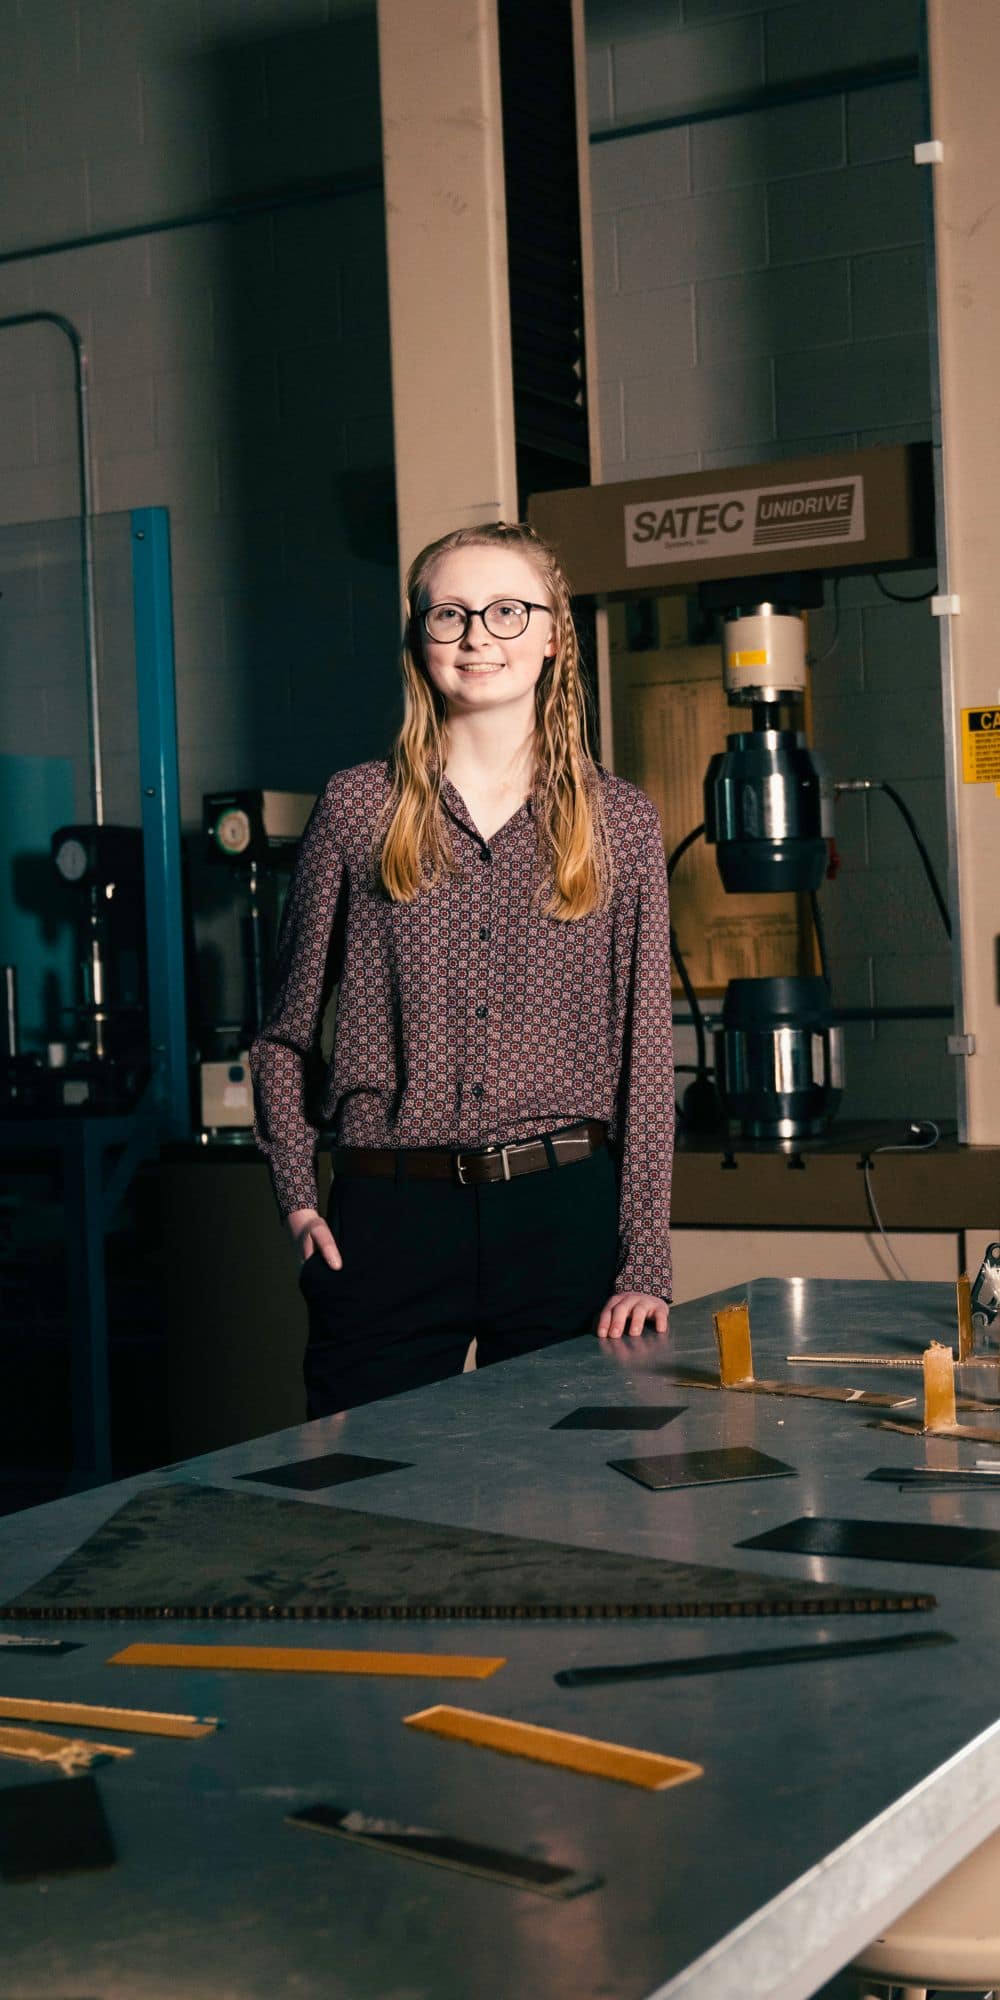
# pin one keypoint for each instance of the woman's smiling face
(481, 670)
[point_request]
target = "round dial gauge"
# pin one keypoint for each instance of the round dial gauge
(71, 860)
(232, 830)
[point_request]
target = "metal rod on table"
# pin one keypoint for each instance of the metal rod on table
(882, 1361)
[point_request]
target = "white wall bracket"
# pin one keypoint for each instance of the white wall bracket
(961, 1045)
(929, 153)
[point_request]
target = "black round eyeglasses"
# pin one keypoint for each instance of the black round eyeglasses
(505, 618)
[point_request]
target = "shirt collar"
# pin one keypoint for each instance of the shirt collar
(456, 808)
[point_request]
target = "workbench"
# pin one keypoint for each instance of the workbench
(833, 1793)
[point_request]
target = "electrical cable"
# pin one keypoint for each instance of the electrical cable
(702, 1066)
(891, 793)
(880, 785)
(897, 597)
(816, 659)
(689, 993)
(911, 1145)
(701, 1109)
(682, 848)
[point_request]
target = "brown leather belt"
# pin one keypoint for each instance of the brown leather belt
(489, 1163)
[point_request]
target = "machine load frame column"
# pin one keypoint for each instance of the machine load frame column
(964, 61)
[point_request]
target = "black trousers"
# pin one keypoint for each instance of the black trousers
(430, 1266)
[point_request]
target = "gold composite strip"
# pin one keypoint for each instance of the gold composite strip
(939, 1387)
(142, 1721)
(71, 1754)
(556, 1746)
(312, 1660)
(966, 1326)
(732, 1335)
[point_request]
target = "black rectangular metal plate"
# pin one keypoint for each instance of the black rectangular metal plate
(702, 1468)
(14, 1647)
(54, 1826)
(419, 1843)
(334, 1468)
(611, 1417)
(934, 1479)
(883, 1541)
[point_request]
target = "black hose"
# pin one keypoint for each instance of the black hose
(688, 841)
(692, 1000)
(891, 793)
(689, 993)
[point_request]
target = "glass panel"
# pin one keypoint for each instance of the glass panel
(47, 783)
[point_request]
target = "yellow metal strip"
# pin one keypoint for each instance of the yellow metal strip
(556, 1746)
(141, 1721)
(71, 1754)
(732, 1334)
(312, 1660)
(966, 1329)
(939, 1387)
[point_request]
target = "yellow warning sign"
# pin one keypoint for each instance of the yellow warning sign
(981, 746)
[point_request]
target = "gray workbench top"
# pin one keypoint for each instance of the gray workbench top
(833, 1792)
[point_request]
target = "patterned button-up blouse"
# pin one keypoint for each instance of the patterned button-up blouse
(468, 1018)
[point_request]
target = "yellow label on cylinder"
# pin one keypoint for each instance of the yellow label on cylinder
(758, 658)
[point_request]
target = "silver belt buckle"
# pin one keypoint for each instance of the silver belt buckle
(487, 1154)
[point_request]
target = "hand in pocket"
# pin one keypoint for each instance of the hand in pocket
(312, 1238)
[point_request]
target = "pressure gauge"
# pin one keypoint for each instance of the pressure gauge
(71, 859)
(232, 830)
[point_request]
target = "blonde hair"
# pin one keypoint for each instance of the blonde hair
(413, 850)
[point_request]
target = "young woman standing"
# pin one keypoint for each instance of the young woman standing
(493, 906)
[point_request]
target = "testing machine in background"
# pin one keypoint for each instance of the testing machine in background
(755, 543)
(256, 835)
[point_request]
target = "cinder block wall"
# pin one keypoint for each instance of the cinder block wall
(240, 377)
(762, 294)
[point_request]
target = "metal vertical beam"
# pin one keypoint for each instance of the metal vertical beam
(964, 71)
(87, 1293)
(154, 668)
(605, 711)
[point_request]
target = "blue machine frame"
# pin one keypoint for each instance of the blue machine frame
(100, 1155)
(161, 840)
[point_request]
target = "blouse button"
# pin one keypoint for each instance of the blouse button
(483, 931)
(477, 1090)
(480, 1013)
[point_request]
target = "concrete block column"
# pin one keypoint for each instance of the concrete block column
(446, 233)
